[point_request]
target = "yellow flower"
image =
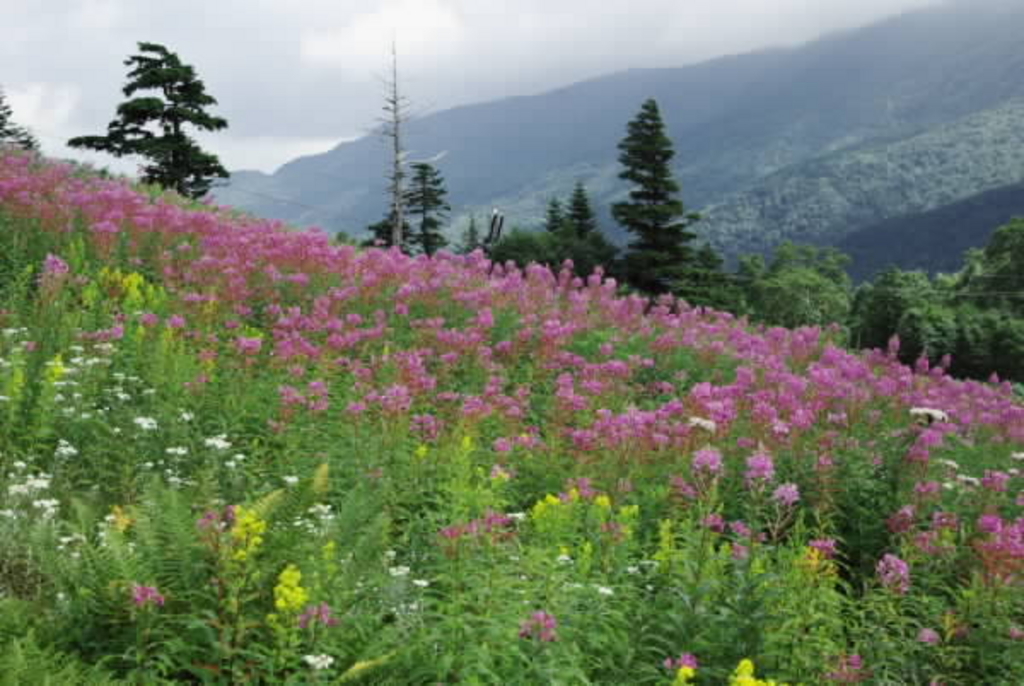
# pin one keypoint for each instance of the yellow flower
(289, 595)
(684, 677)
(56, 369)
(247, 532)
(603, 502)
(421, 451)
(121, 520)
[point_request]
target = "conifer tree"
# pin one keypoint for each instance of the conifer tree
(580, 214)
(425, 199)
(555, 217)
(659, 251)
(175, 159)
(470, 238)
(11, 133)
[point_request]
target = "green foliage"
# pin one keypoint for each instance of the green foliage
(659, 251)
(176, 160)
(425, 199)
(803, 286)
(471, 239)
(580, 213)
(11, 133)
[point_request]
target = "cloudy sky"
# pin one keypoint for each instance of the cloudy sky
(298, 77)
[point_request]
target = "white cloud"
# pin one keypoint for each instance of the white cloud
(46, 108)
(423, 30)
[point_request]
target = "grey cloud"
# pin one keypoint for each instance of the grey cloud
(293, 76)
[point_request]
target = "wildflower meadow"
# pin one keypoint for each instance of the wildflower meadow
(232, 452)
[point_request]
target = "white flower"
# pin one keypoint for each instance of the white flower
(400, 570)
(146, 423)
(517, 516)
(186, 416)
(632, 569)
(564, 559)
(422, 583)
(65, 449)
(1017, 456)
(604, 590)
(701, 423)
(928, 415)
(219, 442)
(290, 480)
(321, 512)
(19, 465)
(178, 451)
(318, 662)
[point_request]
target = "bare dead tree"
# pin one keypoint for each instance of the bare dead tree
(396, 110)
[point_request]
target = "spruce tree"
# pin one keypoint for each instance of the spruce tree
(555, 217)
(580, 214)
(426, 199)
(175, 160)
(470, 238)
(11, 133)
(659, 251)
(382, 233)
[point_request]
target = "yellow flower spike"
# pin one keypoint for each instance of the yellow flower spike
(121, 520)
(603, 502)
(685, 676)
(422, 451)
(467, 444)
(55, 370)
(247, 533)
(330, 551)
(289, 595)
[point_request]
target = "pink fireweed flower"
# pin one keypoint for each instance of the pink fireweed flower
(760, 469)
(825, 546)
(894, 574)
(903, 520)
(715, 522)
(995, 480)
(317, 614)
(684, 660)
(787, 495)
(929, 636)
(707, 462)
(541, 626)
(990, 523)
(248, 346)
(146, 595)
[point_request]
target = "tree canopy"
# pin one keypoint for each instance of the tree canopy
(175, 159)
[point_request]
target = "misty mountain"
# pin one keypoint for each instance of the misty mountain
(936, 240)
(808, 143)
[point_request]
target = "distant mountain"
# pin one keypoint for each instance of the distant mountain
(810, 143)
(935, 240)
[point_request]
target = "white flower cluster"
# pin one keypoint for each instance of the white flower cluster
(701, 423)
(219, 442)
(65, 449)
(318, 662)
(928, 415)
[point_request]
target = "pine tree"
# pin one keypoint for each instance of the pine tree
(470, 238)
(426, 200)
(11, 133)
(659, 252)
(555, 217)
(176, 161)
(580, 214)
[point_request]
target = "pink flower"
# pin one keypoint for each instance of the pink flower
(929, 636)
(541, 626)
(317, 614)
(707, 462)
(760, 468)
(684, 660)
(826, 546)
(787, 495)
(146, 595)
(894, 574)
